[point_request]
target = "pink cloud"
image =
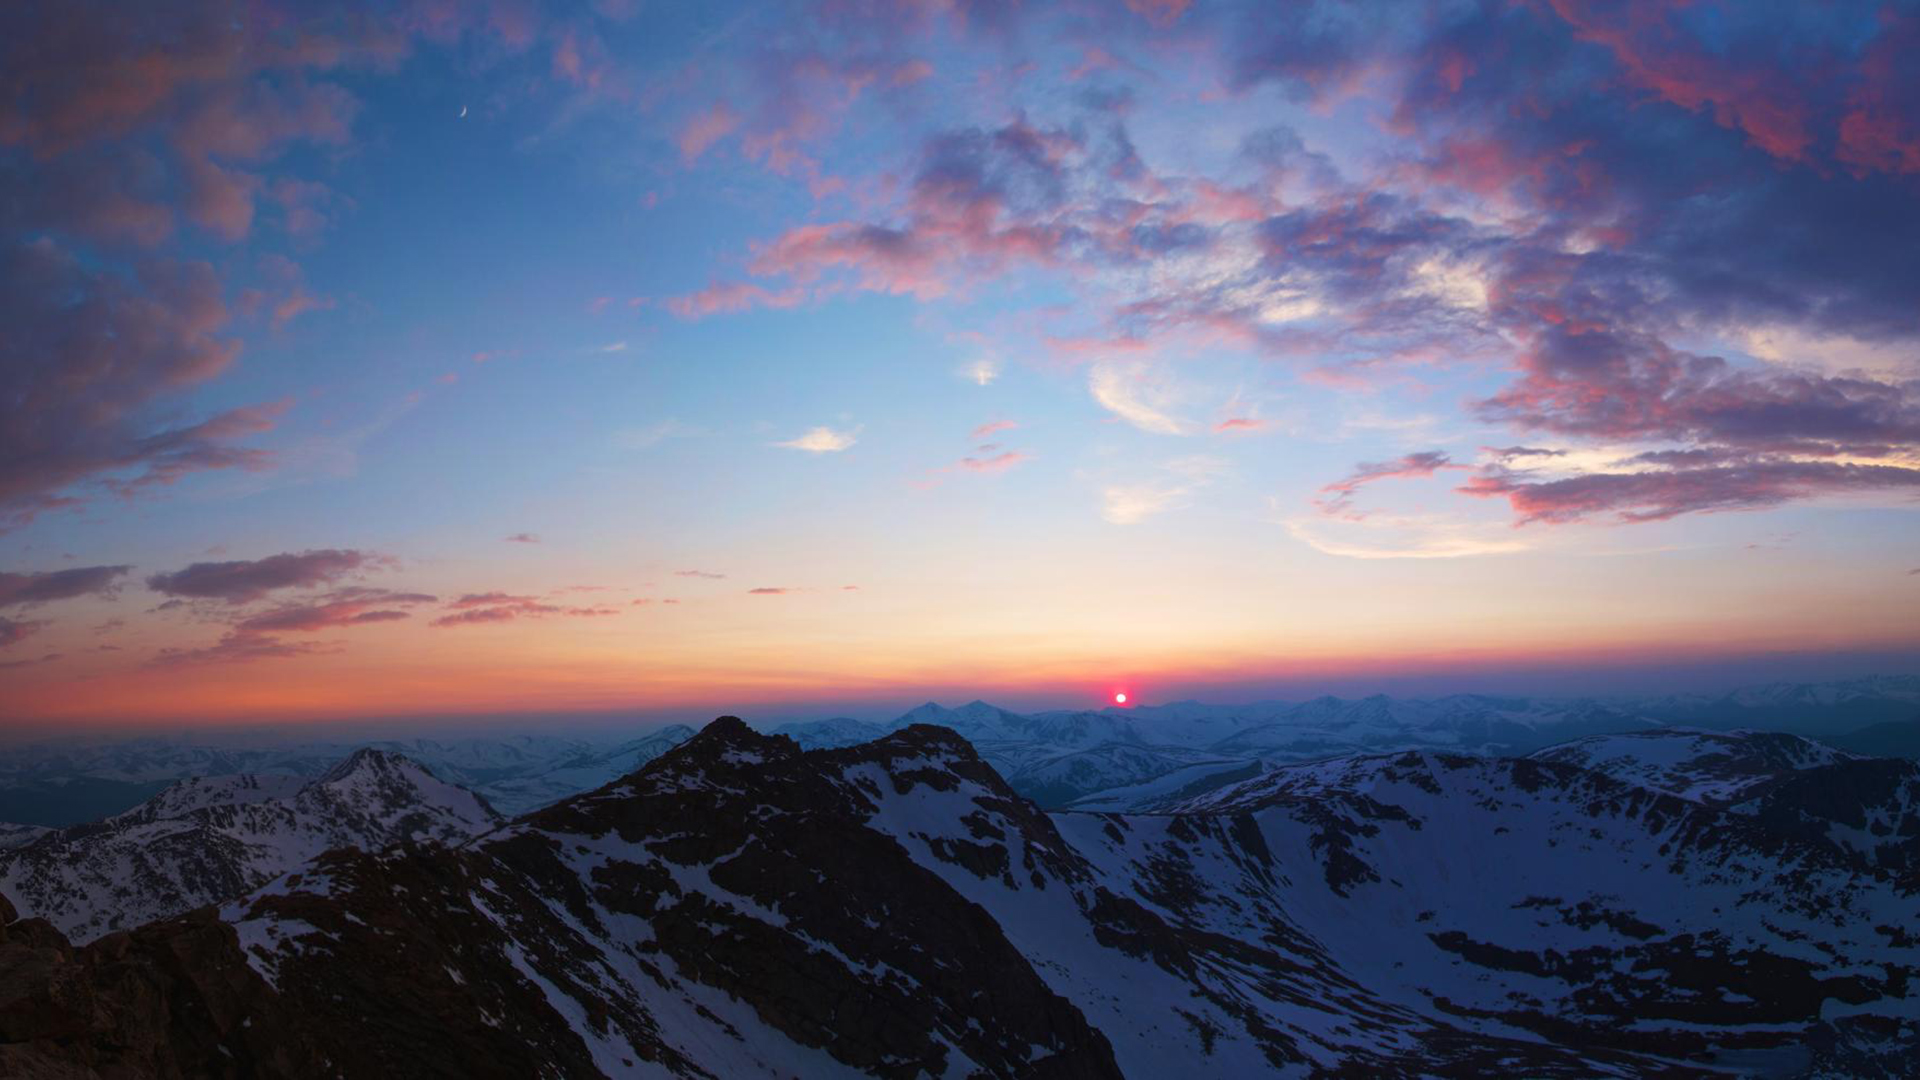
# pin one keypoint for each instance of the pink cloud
(991, 427)
(1657, 495)
(352, 607)
(995, 463)
(716, 122)
(730, 296)
(1410, 467)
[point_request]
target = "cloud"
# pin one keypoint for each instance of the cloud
(699, 574)
(654, 434)
(1512, 453)
(242, 581)
(1658, 494)
(774, 590)
(347, 607)
(986, 462)
(1128, 504)
(44, 659)
(14, 631)
(707, 127)
(89, 351)
(484, 608)
(240, 647)
(1563, 239)
(523, 538)
(730, 296)
(1237, 424)
(979, 204)
(17, 589)
(981, 372)
(993, 427)
(490, 599)
(821, 440)
(1137, 395)
(1410, 467)
(1384, 536)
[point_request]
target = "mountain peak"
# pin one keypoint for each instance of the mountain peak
(930, 737)
(730, 734)
(369, 761)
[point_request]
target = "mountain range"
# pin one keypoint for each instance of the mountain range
(70, 782)
(1134, 758)
(204, 840)
(1671, 903)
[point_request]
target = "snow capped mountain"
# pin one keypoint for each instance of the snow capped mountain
(1062, 778)
(828, 734)
(740, 907)
(1716, 768)
(205, 840)
(976, 721)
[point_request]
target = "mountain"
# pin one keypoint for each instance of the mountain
(205, 840)
(543, 782)
(741, 907)
(69, 782)
(1061, 779)
(1716, 768)
(1895, 738)
(828, 734)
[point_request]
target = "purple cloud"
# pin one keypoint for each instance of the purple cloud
(243, 581)
(50, 585)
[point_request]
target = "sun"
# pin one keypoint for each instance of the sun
(1120, 698)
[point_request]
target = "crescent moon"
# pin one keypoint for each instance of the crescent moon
(463, 112)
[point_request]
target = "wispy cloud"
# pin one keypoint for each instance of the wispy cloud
(523, 538)
(699, 574)
(985, 461)
(1127, 504)
(821, 440)
(1136, 394)
(652, 435)
(981, 372)
(1385, 537)
(1340, 493)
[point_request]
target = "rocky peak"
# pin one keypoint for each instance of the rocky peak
(370, 761)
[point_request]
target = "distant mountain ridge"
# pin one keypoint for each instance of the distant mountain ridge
(1093, 758)
(63, 783)
(1108, 758)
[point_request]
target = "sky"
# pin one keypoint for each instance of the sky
(433, 359)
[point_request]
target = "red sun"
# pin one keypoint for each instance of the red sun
(1120, 698)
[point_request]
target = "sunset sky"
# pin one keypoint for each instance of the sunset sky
(426, 358)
